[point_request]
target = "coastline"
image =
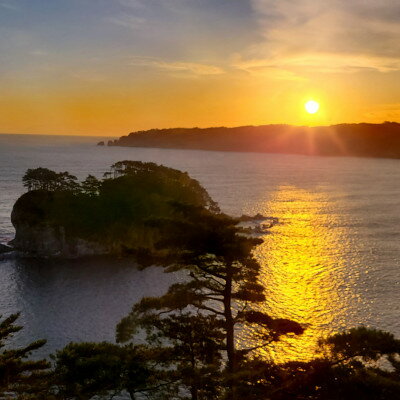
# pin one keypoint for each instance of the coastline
(346, 140)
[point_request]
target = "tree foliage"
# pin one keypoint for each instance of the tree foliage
(46, 179)
(360, 363)
(128, 213)
(26, 378)
(221, 282)
(91, 186)
(83, 370)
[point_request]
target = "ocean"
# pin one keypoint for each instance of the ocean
(332, 262)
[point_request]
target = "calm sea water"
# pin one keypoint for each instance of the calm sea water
(332, 262)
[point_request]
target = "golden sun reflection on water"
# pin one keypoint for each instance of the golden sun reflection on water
(303, 267)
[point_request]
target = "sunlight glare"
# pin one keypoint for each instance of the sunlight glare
(311, 106)
(304, 281)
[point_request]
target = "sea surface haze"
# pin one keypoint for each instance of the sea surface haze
(332, 262)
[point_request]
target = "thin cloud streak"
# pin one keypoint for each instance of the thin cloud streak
(176, 66)
(127, 21)
(9, 6)
(320, 62)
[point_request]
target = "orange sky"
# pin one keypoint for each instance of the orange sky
(114, 66)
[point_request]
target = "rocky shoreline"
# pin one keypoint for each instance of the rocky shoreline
(52, 242)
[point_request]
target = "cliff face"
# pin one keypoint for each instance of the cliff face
(38, 236)
(49, 241)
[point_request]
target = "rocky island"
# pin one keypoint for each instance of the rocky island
(357, 140)
(131, 211)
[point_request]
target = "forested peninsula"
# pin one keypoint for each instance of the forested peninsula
(356, 140)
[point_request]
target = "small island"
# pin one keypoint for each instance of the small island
(356, 140)
(130, 211)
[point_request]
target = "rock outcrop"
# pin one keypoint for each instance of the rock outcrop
(49, 241)
(130, 212)
(38, 235)
(5, 249)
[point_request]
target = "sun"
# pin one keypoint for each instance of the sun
(311, 106)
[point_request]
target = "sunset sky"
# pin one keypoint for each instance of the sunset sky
(109, 67)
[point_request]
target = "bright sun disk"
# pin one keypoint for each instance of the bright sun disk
(311, 107)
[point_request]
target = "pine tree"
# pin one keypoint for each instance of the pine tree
(26, 378)
(40, 179)
(91, 185)
(360, 363)
(84, 370)
(67, 182)
(46, 179)
(222, 282)
(183, 351)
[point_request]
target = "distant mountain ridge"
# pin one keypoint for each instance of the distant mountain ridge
(357, 140)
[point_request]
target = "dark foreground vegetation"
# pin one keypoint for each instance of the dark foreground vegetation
(186, 360)
(357, 140)
(182, 344)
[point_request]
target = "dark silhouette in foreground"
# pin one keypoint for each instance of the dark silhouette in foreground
(25, 378)
(359, 363)
(183, 344)
(220, 293)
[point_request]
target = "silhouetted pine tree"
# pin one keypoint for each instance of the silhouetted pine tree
(359, 363)
(91, 186)
(84, 370)
(222, 282)
(26, 378)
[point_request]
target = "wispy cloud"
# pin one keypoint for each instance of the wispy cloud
(88, 76)
(9, 6)
(132, 3)
(329, 36)
(38, 53)
(264, 67)
(127, 21)
(177, 67)
(174, 5)
(293, 66)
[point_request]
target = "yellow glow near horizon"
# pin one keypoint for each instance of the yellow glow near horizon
(113, 108)
(312, 106)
